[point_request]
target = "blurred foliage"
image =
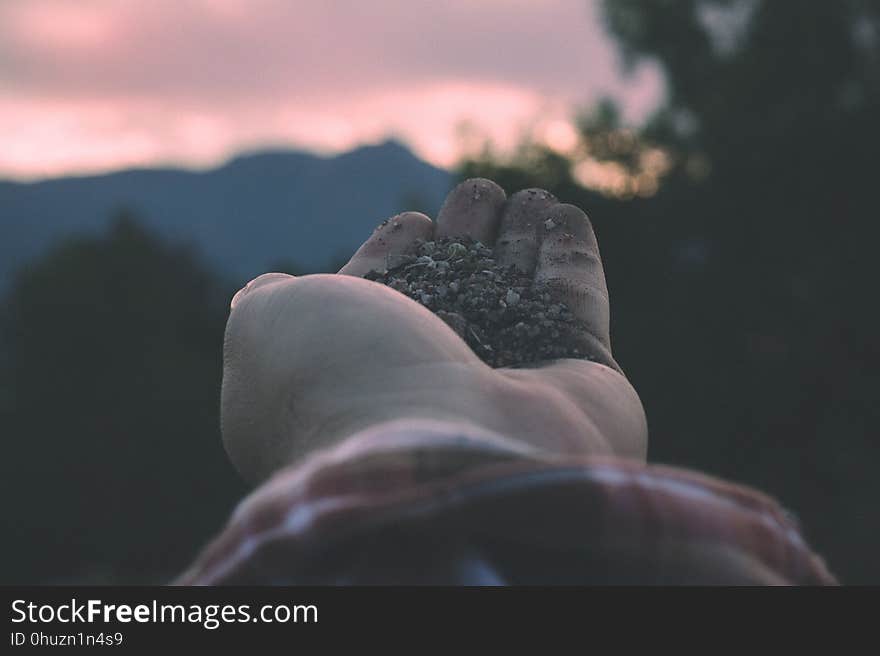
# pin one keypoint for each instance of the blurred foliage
(113, 469)
(743, 286)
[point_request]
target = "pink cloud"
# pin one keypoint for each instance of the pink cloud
(113, 84)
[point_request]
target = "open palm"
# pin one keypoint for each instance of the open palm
(311, 360)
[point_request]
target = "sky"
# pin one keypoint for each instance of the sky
(96, 85)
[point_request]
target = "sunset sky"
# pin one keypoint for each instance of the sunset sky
(93, 85)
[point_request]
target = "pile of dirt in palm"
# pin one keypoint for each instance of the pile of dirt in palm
(504, 317)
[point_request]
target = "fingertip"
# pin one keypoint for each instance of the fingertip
(568, 219)
(395, 236)
(472, 209)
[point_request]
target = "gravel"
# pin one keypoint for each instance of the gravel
(503, 316)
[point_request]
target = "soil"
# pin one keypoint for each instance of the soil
(503, 316)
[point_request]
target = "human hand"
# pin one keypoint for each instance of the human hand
(311, 360)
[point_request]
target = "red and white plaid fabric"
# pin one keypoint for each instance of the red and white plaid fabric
(420, 505)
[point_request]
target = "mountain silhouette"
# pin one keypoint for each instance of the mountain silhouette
(255, 211)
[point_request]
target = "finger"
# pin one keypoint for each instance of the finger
(569, 263)
(520, 231)
(398, 235)
(472, 209)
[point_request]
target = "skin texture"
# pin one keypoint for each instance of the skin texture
(310, 361)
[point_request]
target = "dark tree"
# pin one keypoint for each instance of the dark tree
(112, 468)
(743, 291)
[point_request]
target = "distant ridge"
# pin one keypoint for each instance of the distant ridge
(256, 210)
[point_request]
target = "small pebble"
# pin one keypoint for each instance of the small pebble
(456, 249)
